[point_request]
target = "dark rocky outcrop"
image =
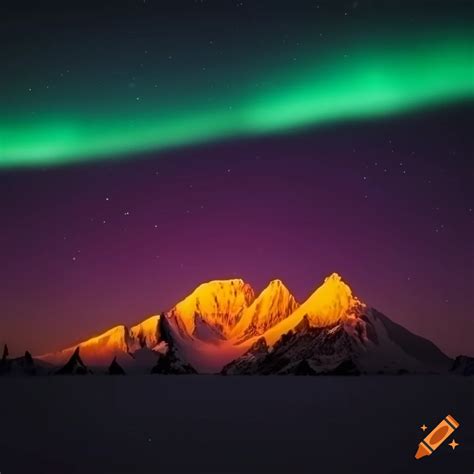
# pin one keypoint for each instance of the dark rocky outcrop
(74, 366)
(463, 365)
(248, 362)
(115, 368)
(170, 362)
(5, 363)
(26, 364)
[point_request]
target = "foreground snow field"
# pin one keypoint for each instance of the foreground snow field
(211, 424)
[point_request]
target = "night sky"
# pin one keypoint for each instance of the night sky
(149, 146)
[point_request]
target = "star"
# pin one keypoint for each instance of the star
(424, 427)
(453, 444)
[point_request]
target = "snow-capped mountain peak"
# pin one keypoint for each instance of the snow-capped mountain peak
(273, 305)
(219, 303)
(330, 303)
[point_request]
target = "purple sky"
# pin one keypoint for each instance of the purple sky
(387, 204)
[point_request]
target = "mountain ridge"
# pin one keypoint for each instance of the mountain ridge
(221, 322)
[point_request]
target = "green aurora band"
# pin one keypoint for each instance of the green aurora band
(373, 81)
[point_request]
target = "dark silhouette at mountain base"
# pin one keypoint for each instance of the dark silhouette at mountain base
(26, 364)
(346, 367)
(169, 364)
(463, 365)
(74, 366)
(303, 368)
(115, 368)
(4, 362)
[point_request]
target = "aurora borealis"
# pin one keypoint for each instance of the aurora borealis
(95, 110)
(148, 146)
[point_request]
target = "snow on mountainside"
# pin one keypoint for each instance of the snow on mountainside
(96, 350)
(331, 302)
(218, 304)
(145, 334)
(274, 304)
(118, 342)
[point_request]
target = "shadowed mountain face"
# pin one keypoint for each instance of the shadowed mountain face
(224, 326)
(369, 343)
(418, 347)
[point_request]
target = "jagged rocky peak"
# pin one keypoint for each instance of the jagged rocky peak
(218, 303)
(249, 362)
(260, 346)
(74, 366)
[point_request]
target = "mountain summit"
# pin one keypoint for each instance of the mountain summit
(218, 304)
(274, 304)
(330, 303)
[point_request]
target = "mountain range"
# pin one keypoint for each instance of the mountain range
(224, 327)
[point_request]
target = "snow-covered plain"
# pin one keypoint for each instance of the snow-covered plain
(213, 424)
